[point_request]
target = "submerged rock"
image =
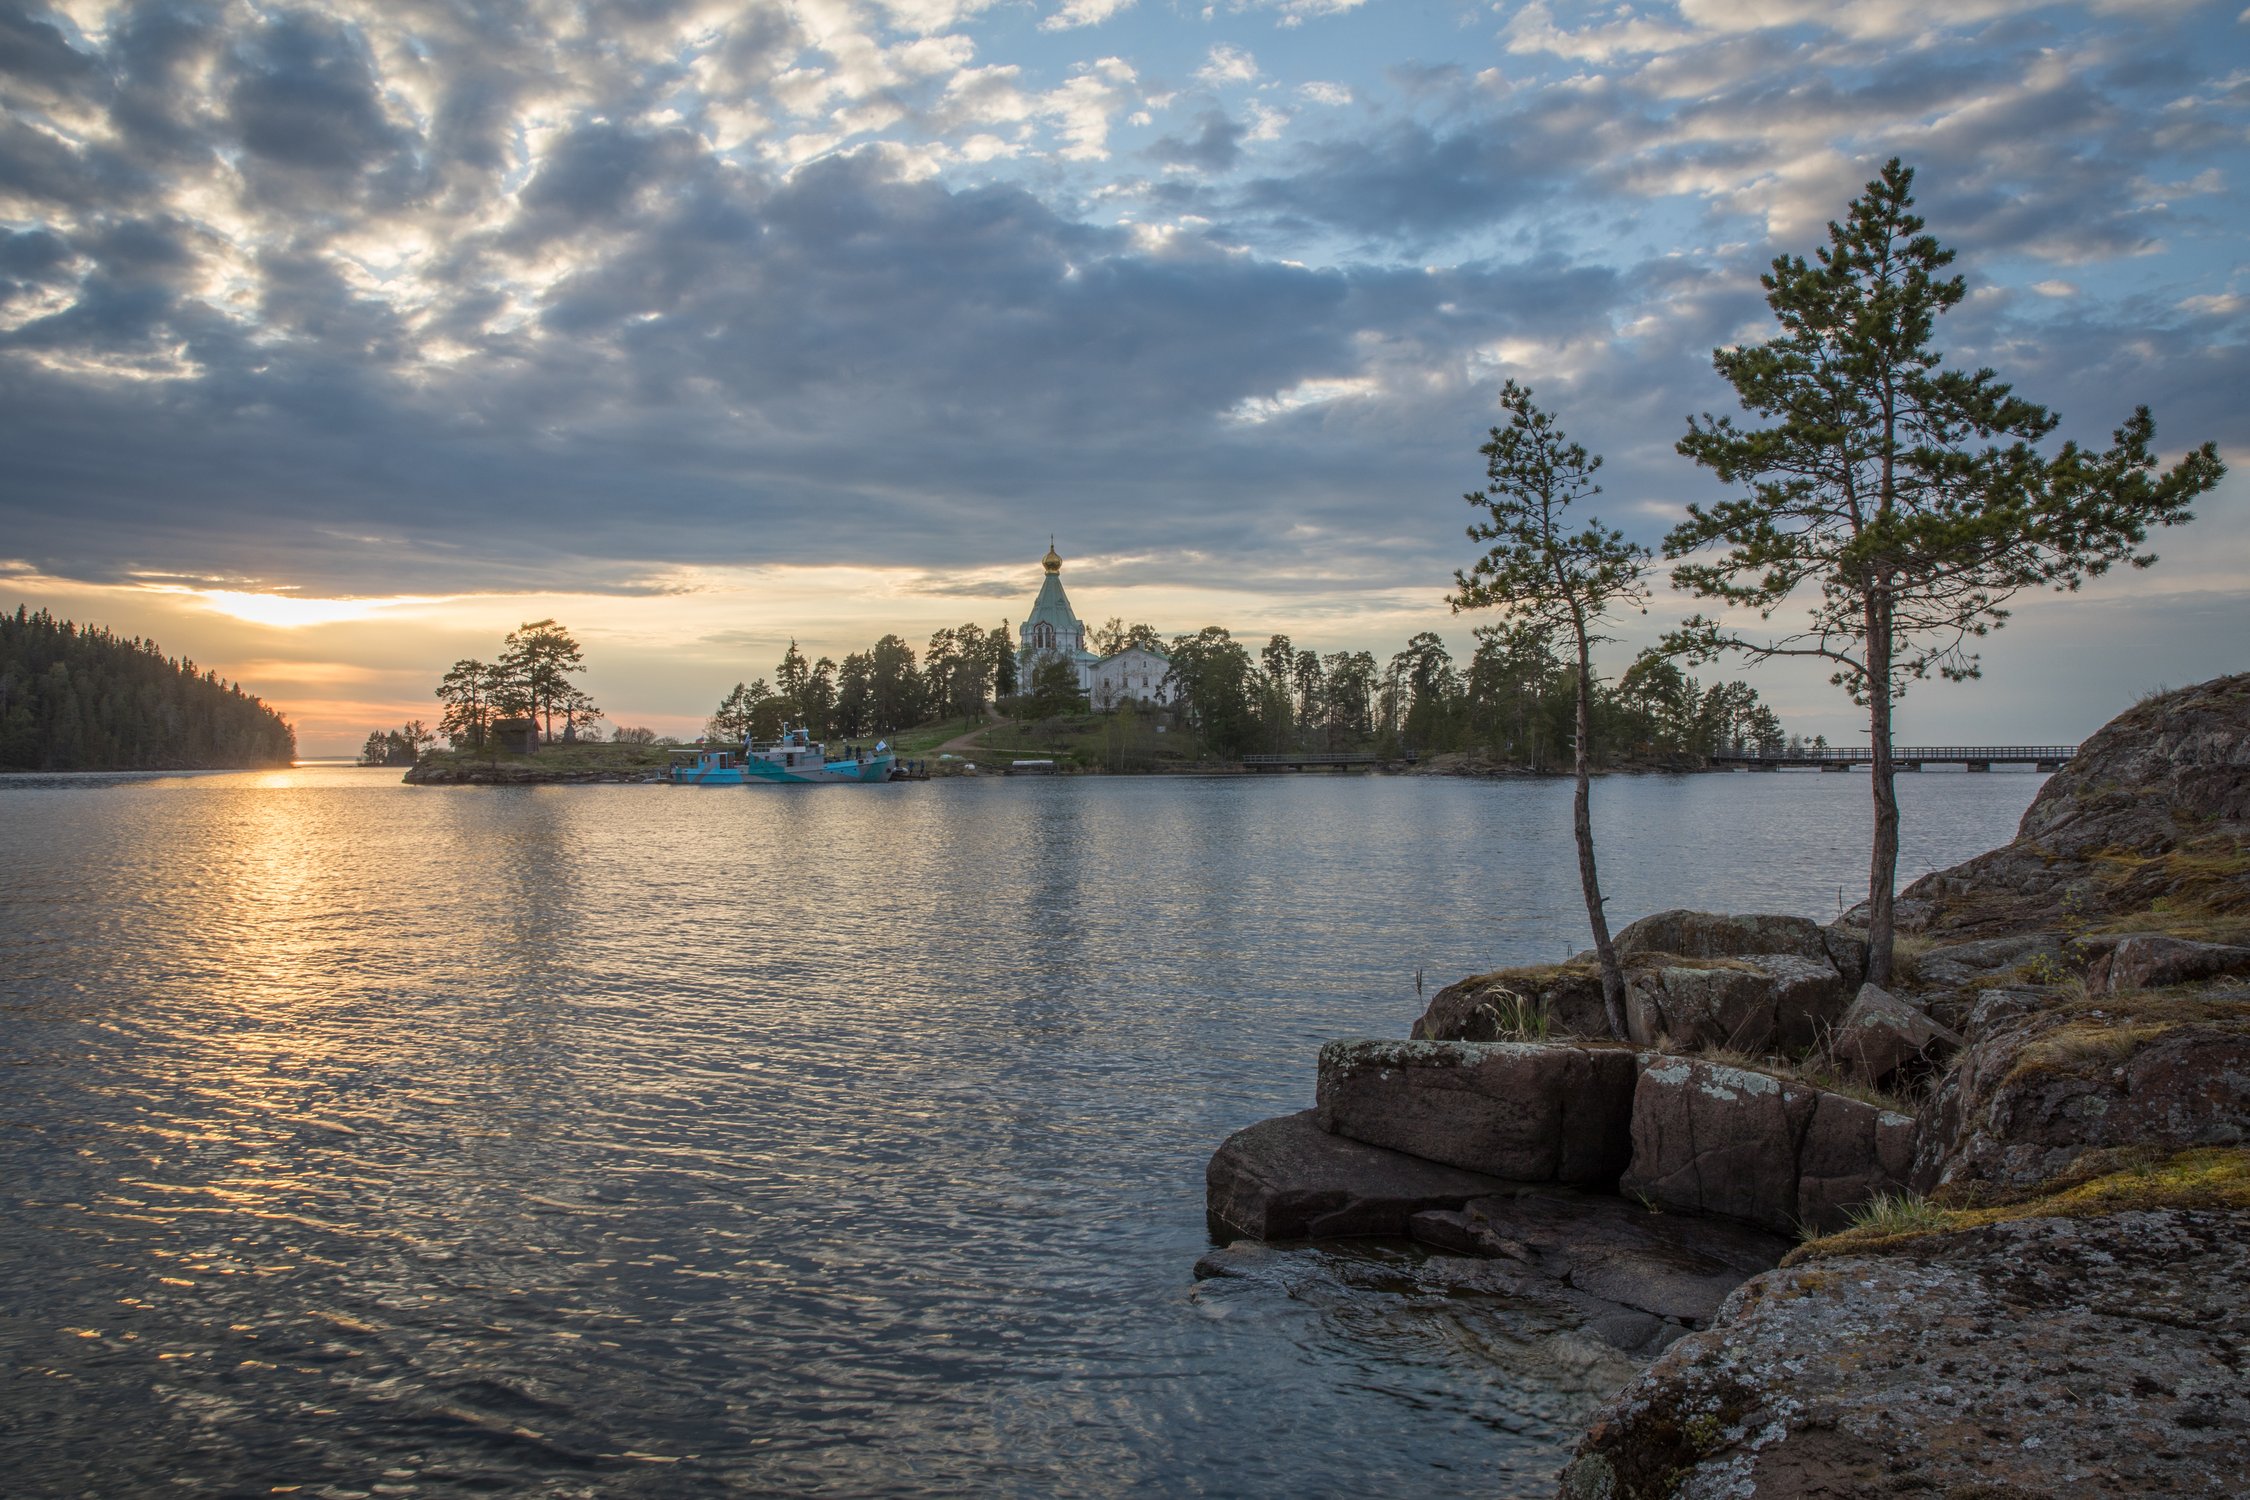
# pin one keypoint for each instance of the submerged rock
(1529, 1111)
(1288, 1179)
(2042, 1357)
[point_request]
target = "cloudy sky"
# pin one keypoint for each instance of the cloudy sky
(335, 340)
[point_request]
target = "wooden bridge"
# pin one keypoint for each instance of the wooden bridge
(1341, 760)
(1904, 757)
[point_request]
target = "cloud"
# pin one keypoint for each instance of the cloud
(377, 300)
(1226, 65)
(1215, 147)
(1077, 13)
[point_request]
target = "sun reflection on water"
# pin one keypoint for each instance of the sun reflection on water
(633, 1140)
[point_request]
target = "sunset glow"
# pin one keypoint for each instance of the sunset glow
(703, 329)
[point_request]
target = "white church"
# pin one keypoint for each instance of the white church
(1053, 630)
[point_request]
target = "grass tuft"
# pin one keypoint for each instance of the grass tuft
(2214, 1177)
(1517, 1018)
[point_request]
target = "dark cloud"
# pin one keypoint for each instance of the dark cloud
(287, 301)
(1215, 147)
(304, 100)
(35, 51)
(34, 254)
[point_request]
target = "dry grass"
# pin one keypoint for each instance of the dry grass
(2198, 890)
(2217, 1177)
(1517, 1018)
(2096, 1034)
(1907, 951)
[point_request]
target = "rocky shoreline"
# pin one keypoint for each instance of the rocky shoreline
(440, 775)
(1982, 1233)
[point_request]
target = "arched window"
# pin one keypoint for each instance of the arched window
(1042, 637)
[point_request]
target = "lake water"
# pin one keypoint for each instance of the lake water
(627, 1140)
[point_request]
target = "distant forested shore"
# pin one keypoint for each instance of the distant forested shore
(79, 698)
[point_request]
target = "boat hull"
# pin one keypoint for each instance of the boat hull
(766, 773)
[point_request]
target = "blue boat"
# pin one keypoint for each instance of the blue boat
(794, 759)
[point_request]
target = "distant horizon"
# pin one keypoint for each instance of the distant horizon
(338, 342)
(2008, 708)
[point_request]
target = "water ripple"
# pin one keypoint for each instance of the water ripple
(627, 1140)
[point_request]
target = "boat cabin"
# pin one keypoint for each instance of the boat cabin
(705, 760)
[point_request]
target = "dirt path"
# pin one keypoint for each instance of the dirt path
(962, 744)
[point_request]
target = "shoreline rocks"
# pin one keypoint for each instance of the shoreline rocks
(2061, 1316)
(527, 775)
(1715, 1139)
(1528, 1111)
(2047, 1356)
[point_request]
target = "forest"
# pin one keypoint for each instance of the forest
(79, 698)
(1511, 702)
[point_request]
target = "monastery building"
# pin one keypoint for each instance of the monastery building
(1053, 630)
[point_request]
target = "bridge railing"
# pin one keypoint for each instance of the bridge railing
(1860, 754)
(1317, 758)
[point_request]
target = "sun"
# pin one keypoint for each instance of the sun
(289, 611)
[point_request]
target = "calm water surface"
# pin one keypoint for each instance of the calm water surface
(647, 1141)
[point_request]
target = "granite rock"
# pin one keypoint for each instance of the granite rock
(2035, 1358)
(1710, 1138)
(1527, 1111)
(1286, 1179)
(1882, 1037)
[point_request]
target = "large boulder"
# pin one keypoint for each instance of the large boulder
(1288, 1179)
(2042, 1357)
(2150, 817)
(1773, 1152)
(1883, 1037)
(1710, 934)
(1491, 1007)
(2045, 1080)
(1528, 1111)
(1754, 1003)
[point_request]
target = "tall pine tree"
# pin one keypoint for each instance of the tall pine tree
(1910, 497)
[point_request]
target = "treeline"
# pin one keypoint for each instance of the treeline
(530, 679)
(1512, 701)
(78, 698)
(874, 692)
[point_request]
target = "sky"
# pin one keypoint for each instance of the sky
(338, 340)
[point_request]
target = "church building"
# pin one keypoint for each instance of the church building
(1053, 630)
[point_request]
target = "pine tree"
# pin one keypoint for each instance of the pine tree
(1545, 576)
(1911, 497)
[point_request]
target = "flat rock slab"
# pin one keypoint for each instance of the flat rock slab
(1526, 1111)
(1668, 1265)
(1288, 1179)
(2044, 1357)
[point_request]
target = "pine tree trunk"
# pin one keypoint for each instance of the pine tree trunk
(1582, 825)
(1882, 874)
